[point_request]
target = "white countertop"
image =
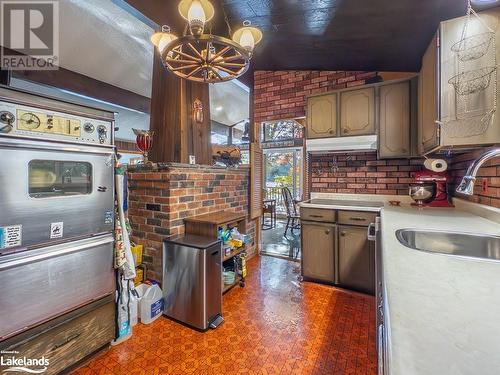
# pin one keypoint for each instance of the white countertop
(444, 312)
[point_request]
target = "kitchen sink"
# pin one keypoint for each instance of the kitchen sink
(451, 243)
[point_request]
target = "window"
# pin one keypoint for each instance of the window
(53, 178)
(281, 130)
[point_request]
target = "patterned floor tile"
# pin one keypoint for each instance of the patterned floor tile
(275, 325)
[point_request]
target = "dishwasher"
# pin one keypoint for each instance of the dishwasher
(192, 280)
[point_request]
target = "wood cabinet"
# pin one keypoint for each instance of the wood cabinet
(395, 120)
(468, 106)
(357, 112)
(322, 116)
(428, 129)
(458, 110)
(356, 259)
(318, 262)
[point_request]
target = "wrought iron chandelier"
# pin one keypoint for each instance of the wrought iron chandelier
(207, 58)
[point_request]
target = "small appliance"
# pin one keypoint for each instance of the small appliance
(430, 189)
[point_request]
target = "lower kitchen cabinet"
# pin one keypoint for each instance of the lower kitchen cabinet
(356, 259)
(318, 256)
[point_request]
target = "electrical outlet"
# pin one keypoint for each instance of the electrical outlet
(484, 183)
(192, 159)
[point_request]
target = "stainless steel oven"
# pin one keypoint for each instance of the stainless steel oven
(56, 209)
(51, 192)
(56, 171)
(40, 284)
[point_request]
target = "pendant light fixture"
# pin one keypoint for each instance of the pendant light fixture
(204, 57)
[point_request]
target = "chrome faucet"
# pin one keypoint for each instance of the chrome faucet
(467, 184)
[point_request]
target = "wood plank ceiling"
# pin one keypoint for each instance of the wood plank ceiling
(384, 35)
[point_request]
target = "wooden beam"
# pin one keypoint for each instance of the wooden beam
(177, 134)
(83, 85)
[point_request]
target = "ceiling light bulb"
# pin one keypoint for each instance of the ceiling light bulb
(246, 40)
(165, 40)
(196, 18)
(247, 36)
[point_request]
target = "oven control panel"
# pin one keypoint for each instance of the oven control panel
(25, 121)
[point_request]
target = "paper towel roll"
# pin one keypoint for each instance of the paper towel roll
(436, 165)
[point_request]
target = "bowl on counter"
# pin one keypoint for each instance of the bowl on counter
(422, 192)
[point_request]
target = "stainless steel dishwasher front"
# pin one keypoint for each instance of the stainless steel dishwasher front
(192, 280)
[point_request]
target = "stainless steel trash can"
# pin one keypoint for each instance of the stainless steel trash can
(192, 286)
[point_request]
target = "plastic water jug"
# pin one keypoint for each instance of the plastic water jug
(150, 303)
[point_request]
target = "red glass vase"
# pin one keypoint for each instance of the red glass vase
(144, 141)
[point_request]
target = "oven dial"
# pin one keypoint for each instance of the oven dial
(88, 127)
(6, 121)
(102, 133)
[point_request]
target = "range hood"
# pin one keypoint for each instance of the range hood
(342, 144)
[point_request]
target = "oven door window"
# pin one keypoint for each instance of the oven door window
(55, 178)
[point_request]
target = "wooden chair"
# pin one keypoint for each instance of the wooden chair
(292, 214)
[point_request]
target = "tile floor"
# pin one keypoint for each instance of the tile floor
(274, 243)
(275, 325)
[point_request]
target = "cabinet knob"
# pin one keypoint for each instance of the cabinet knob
(331, 132)
(345, 131)
(327, 231)
(343, 233)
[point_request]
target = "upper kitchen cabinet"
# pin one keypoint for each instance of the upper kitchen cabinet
(459, 84)
(428, 129)
(395, 120)
(322, 116)
(357, 112)
(470, 54)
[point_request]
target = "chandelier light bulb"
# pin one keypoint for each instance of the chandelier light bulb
(165, 40)
(247, 36)
(247, 41)
(196, 18)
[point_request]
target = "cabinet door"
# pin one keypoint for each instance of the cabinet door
(356, 259)
(428, 134)
(322, 116)
(357, 112)
(466, 118)
(394, 128)
(318, 251)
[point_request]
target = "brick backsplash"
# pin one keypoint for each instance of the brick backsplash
(487, 186)
(282, 94)
(160, 198)
(361, 173)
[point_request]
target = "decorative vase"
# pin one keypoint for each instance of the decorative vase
(144, 141)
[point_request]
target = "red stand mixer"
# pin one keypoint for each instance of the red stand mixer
(430, 189)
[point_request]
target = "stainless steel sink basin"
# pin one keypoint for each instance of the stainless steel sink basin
(451, 243)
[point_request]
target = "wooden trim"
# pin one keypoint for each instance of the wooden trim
(126, 146)
(256, 180)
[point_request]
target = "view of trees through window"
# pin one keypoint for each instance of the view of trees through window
(281, 130)
(283, 168)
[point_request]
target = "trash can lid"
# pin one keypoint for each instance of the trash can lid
(193, 240)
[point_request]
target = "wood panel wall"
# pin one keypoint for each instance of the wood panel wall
(177, 135)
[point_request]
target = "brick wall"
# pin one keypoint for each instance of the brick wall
(361, 173)
(160, 198)
(282, 94)
(487, 186)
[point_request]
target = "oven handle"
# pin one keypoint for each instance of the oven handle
(55, 146)
(22, 258)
